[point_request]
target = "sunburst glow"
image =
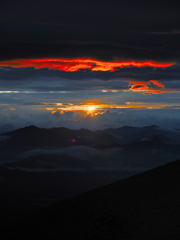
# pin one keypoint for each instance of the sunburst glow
(94, 110)
(91, 108)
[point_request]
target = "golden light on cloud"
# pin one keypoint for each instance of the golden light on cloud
(80, 64)
(88, 108)
(91, 110)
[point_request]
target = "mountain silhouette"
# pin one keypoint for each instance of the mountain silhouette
(145, 206)
(33, 137)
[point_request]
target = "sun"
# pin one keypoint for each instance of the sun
(91, 108)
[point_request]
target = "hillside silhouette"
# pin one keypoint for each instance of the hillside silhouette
(144, 206)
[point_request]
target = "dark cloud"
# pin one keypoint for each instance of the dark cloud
(100, 51)
(131, 15)
(28, 79)
(100, 29)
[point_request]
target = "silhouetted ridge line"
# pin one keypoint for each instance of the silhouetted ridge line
(152, 126)
(145, 206)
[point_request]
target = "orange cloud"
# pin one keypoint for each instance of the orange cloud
(143, 87)
(80, 64)
(157, 83)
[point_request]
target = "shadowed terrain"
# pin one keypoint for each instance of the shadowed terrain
(145, 206)
(41, 166)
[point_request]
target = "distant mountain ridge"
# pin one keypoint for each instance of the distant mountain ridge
(57, 137)
(145, 147)
(74, 161)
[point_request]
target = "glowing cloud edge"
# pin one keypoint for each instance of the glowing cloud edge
(80, 64)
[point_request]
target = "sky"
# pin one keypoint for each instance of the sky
(95, 64)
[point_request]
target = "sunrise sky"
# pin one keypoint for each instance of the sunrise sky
(93, 65)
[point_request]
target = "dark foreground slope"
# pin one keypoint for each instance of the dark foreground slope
(145, 206)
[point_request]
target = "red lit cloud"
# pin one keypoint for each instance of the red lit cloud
(137, 86)
(150, 87)
(80, 64)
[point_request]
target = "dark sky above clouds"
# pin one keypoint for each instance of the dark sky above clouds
(103, 30)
